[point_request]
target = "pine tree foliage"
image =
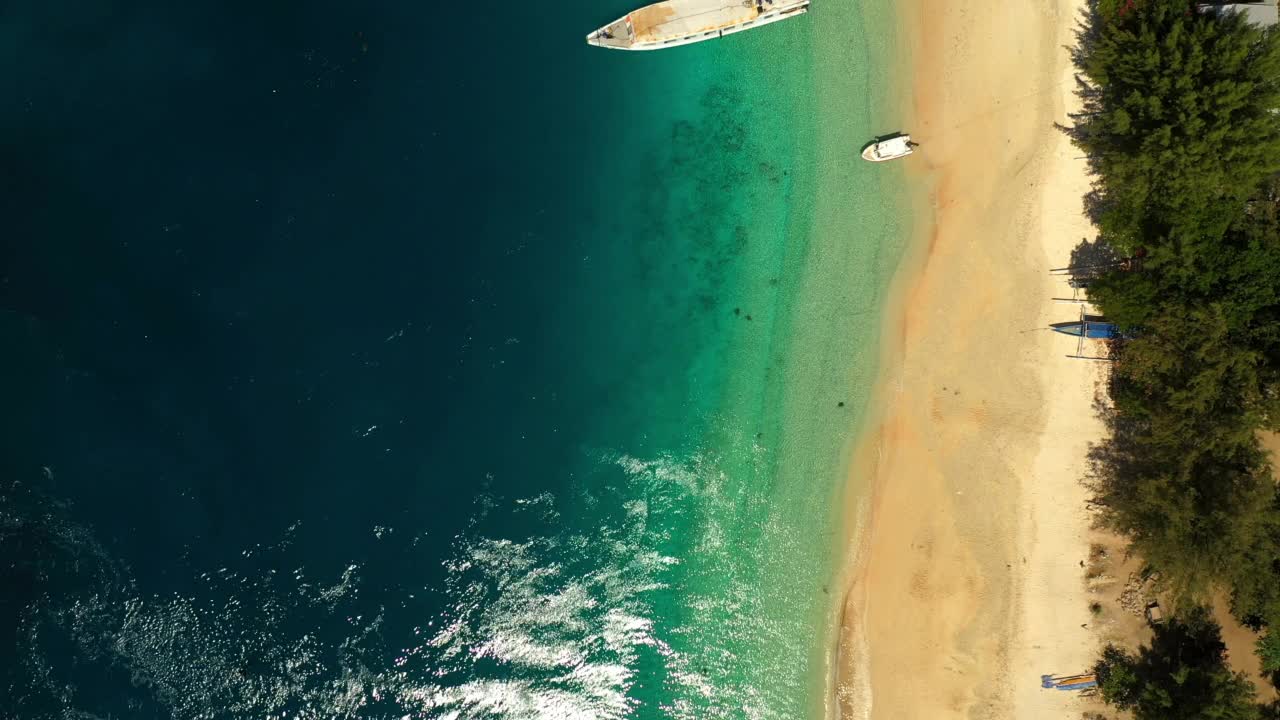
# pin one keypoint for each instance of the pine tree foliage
(1181, 125)
(1269, 651)
(1182, 675)
(1194, 516)
(1178, 117)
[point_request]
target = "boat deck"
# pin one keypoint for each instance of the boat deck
(680, 22)
(688, 17)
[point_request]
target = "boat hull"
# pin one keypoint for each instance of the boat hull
(888, 148)
(683, 22)
(870, 155)
(1091, 329)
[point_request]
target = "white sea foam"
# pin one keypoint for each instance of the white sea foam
(556, 625)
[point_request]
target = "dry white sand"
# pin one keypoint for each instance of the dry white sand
(965, 584)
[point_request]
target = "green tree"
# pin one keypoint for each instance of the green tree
(1188, 369)
(1182, 675)
(1196, 515)
(1177, 116)
(1269, 651)
(1239, 270)
(1181, 123)
(1255, 587)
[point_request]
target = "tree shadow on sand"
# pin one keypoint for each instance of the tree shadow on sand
(1091, 258)
(1088, 32)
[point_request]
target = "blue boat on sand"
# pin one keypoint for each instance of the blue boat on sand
(1088, 327)
(1091, 329)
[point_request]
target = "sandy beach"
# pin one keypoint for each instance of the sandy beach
(965, 582)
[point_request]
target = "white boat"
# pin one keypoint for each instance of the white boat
(890, 148)
(681, 22)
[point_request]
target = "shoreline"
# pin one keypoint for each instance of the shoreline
(962, 582)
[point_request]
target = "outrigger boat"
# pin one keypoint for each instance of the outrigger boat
(1083, 681)
(1088, 327)
(890, 147)
(681, 22)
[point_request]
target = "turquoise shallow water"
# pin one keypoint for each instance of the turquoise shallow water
(351, 378)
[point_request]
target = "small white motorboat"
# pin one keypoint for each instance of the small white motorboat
(889, 148)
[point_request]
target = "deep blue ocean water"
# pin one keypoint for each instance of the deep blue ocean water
(406, 360)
